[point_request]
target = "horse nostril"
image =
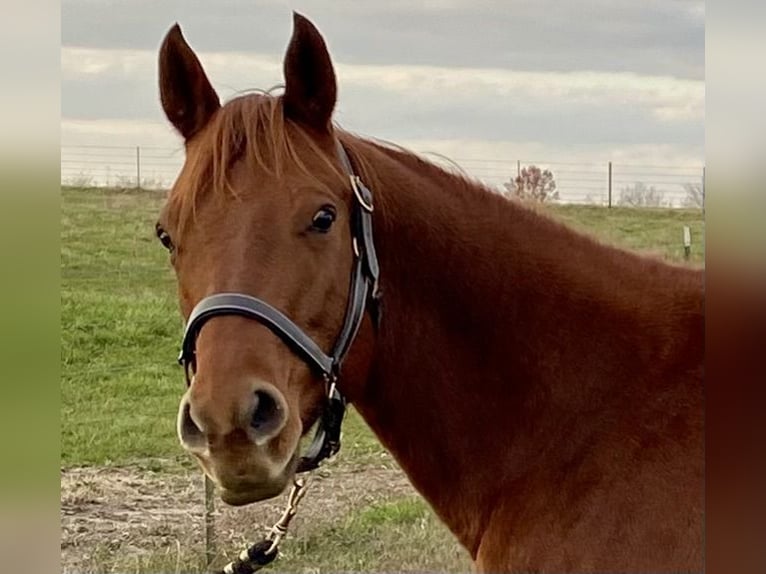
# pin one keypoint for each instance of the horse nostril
(268, 416)
(189, 432)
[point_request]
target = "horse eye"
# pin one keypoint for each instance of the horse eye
(323, 219)
(164, 238)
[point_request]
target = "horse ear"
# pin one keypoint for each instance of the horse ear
(310, 88)
(187, 97)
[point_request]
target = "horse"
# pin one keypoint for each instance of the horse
(541, 390)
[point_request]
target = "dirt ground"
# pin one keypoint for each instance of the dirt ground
(108, 512)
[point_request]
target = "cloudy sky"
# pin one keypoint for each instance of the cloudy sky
(574, 81)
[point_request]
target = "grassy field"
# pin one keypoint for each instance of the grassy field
(120, 385)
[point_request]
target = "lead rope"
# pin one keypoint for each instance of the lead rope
(263, 553)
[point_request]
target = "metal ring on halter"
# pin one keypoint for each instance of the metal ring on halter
(365, 200)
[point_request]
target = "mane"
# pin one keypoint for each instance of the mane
(454, 177)
(501, 210)
(453, 180)
(250, 127)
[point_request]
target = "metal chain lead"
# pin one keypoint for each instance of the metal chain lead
(262, 553)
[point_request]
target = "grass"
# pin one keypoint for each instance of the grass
(402, 535)
(119, 330)
(654, 230)
(120, 385)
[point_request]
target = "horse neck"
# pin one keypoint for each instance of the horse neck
(500, 330)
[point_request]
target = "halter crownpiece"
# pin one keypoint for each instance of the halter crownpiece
(363, 293)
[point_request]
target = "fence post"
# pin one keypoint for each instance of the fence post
(687, 242)
(210, 550)
(518, 168)
(610, 185)
(138, 167)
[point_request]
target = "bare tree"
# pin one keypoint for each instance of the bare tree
(695, 195)
(533, 184)
(639, 195)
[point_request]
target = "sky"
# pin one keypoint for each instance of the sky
(584, 81)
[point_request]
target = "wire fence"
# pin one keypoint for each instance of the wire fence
(588, 182)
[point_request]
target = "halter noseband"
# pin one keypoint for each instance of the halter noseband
(363, 291)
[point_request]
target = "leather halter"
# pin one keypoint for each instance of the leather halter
(363, 292)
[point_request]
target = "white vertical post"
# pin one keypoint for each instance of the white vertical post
(687, 242)
(609, 201)
(138, 167)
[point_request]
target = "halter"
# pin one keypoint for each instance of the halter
(363, 292)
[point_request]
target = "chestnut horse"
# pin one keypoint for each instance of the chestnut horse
(542, 391)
